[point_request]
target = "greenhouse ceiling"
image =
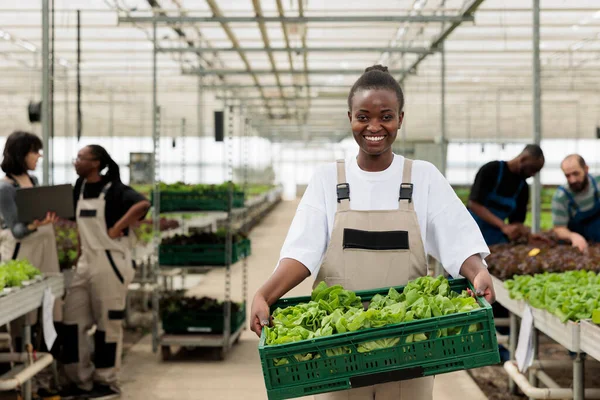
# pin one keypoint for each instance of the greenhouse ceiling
(291, 64)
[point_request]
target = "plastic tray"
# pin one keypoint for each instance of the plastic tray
(403, 361)
(189, 322)
(171, 201)
(202, 254)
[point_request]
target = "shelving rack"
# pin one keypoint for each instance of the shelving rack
(225, 340)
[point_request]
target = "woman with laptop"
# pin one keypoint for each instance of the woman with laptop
(33, 241)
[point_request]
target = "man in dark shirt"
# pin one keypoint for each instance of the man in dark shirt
(499, 195)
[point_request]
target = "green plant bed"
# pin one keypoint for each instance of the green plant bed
(202, 254)
(340, 361)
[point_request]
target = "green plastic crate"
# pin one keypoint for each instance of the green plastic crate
(202, 254)
(189, 322)
(404, 361)
(171, 201)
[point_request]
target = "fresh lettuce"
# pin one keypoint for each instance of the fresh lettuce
(334, 310)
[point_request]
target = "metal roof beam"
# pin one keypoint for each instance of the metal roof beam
(414, 50)
(288, 47)
(356, 72)
(468, 12)
(218, 14)
(219, 18)
(304, 55)
(265, 37)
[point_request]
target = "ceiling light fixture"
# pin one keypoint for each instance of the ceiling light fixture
(575, 27)
(597, 15)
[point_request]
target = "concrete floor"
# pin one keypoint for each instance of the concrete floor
(198, 375)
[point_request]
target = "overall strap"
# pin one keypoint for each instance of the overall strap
(105, 190)
(406, 187)
(572, 204)
(591, 178)
(518, 192)
(500, 175)
(343, 189)
(82, 190)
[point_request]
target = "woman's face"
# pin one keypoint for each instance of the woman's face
(375, 119)
(31, 159)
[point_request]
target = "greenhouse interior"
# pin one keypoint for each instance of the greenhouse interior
(278, 199)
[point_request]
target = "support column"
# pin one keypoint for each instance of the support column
(537, 114)
(443, 110)
(46, 90)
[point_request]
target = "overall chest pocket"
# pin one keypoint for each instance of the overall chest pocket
(376, 258)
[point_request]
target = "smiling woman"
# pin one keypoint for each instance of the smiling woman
(369, 222)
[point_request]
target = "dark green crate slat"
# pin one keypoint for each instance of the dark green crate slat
(202, 254)
(195, 323)
(190, 201)
(429, 357)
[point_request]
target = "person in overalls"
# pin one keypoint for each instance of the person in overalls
(370, 220)
(34, 241)
(498, 203)
(500, 194)
(576, 207)
(105, 210)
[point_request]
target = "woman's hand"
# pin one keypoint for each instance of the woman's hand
(115, 232)
(50, 218)
(259, 314)
(474, 270)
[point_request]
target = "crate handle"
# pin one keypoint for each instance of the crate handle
(388, 376)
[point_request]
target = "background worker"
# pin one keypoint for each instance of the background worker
(500, 194)
(105, 210)
(396, 211)
(576, 206)
(34, 241)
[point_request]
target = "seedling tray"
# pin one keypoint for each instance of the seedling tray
(436, 355)
(202, 254)
(195, 322)
(171, 201)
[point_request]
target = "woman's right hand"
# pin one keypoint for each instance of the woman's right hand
(260, 314)
(51, 218)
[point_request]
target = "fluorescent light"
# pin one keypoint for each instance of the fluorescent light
(63, 62)
(418, 4)
(401, 32)
(597, 15)
(584, 21)
(575, 27)
(344, 65)
(577, 46)
(26, 45)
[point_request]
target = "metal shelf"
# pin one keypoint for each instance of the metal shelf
(29, 298)
(201, 340)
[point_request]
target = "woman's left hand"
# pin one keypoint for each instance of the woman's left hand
(484, 287)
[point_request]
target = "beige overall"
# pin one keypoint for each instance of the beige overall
(39, 248)
(376, 249)
(96, 296)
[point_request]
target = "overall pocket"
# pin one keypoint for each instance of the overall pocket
(375, 259)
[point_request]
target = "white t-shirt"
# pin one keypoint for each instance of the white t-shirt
(449, 232)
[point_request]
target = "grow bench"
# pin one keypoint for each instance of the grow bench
(580, 338)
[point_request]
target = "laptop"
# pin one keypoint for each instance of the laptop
(33, 203)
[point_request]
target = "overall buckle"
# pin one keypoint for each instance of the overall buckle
(406, 191)
(343, 192)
